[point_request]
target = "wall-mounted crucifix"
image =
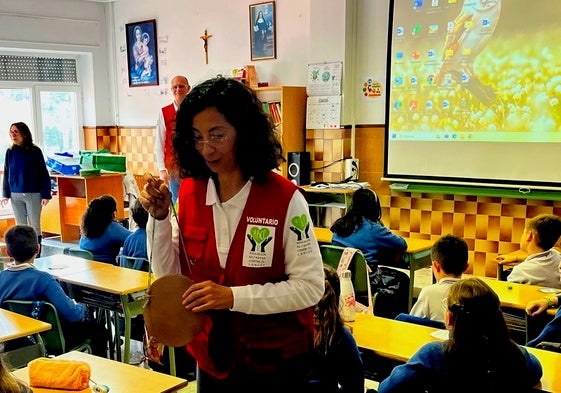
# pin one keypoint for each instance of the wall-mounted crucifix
(205, 38)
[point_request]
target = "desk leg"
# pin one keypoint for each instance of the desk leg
(172, 369)
(416, 261)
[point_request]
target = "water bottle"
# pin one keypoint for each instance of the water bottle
(347, 301)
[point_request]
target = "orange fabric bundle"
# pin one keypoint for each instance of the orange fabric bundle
(59, 374)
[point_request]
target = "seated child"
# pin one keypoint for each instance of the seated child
(479, 342)
(449, 260)
(338, 366)
(21, 281)
(100, 233)
(362, 227)
(541, 267)
(135, 243)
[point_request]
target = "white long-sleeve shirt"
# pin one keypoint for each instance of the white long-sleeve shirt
(304, 267)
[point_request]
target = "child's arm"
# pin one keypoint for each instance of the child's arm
(513, 257)
(536, 307)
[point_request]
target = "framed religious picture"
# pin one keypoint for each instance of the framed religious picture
(262, 31)
(142, 53)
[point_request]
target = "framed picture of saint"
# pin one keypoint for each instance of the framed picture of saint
(142, 53)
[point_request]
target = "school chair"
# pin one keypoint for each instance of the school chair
(136, 263)
(419, 321)
(53, 339)
(78, 252)
(331, 256)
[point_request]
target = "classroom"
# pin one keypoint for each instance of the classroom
(117, 111)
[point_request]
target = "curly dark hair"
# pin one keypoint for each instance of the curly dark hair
(98, 216)
(25, 132)
(258, 149)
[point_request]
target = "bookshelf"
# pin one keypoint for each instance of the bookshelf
(74, 193)
(287, 106)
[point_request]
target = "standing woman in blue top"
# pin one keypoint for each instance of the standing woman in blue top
(100, 233)
(26, 178)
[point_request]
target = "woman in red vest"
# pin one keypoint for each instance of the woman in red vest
(247, 242)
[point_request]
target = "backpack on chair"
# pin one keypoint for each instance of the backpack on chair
(392, 292)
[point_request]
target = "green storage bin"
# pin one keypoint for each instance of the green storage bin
(109, 162)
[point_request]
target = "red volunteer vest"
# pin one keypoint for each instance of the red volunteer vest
(169, 120)
(281, 336)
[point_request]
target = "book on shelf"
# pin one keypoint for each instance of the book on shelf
(266, 107)
(274, 108)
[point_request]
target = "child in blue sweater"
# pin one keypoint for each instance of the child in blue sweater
(22, 281)
(478, 357)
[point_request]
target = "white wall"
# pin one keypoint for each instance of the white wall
(77, 29)
(179, 27)
(308, 31)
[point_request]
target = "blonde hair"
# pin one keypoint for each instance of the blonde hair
(8, 383)
(328, 324)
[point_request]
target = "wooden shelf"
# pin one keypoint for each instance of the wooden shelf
(63, 214)
(292, 126)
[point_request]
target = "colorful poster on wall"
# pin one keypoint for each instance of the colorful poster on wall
(324, 79)
(371, 88)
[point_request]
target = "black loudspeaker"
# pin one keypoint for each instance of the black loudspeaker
(298, 168)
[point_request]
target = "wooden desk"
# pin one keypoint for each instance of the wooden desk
(88, 277)
(417, 255)
(14, 325)
(119, 377)
(59, 265)
(390, 338)
(400, 340)
(323, 235)
(513, 294)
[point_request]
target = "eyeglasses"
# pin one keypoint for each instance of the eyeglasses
(213, 141)
(14, 132)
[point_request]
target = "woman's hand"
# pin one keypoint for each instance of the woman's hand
(44, 202)
(155, 197)
(208, 295)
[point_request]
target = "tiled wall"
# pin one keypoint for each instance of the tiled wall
(138, 144)
(327, 150)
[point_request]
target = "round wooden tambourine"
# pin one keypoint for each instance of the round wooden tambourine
(165, 317)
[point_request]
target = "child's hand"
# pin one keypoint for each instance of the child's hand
(506, 258)
(536, 307)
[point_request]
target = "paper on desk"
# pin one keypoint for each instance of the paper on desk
(350, 185)
(441, 334)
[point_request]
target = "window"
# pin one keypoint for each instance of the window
(44, 93)
(51, 112)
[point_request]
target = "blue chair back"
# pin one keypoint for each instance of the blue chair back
(420, 321)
